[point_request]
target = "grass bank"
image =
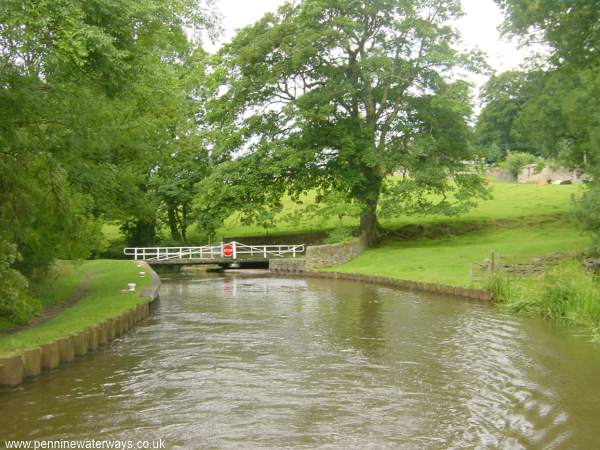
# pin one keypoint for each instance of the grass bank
(447, 259)
(104, 299)
(510, 201)
(566, 293)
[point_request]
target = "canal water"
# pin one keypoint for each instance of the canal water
(231, 361)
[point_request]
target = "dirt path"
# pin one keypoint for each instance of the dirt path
(52, 311)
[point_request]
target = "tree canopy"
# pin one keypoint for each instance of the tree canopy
(336, 96)
(564, 115)
(499, 127)
(91, 94)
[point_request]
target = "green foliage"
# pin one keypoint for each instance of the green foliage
(99, 107)
(15, 303)
(501, 288)
(569, 27)
(565, 115)
(515, 161)
(567, 292)
(587, 211)
(493, 153)
(335, 96)
(504, 97)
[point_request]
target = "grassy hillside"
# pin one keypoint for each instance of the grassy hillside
(510, 201)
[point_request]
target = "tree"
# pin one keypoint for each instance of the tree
(504, 97)
(566, 114)
(569, 28)
(335, 96)
(88, 94)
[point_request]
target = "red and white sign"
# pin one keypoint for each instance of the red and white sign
(228, 250)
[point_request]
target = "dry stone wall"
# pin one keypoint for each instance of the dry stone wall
(319, 256)
(294, 265)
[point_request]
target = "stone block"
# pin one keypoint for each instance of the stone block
(80, 343)
(66, 349)
(11, 370)
(92, 339)
(32, 362)
(50, 356)
(102, 333)
(485, 295)
(119, 326)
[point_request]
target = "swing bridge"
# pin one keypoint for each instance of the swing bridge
(224, 254)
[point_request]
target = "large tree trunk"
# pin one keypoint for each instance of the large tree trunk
(173, 223)
(369, 225)
(183, 222)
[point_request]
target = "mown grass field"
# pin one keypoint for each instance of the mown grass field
(105, 298)
(510, 201)
(521, 221)
(447, 259)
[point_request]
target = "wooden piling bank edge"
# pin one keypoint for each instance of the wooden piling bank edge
(31, 362)
(434, 288)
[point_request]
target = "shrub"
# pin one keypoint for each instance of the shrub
(15, 302)
(514, 161)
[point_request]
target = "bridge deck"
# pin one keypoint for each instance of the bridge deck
(201, 261)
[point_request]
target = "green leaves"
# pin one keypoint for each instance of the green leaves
(335, 96)
(99, 102)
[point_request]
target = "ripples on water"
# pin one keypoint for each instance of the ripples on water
(259, 362)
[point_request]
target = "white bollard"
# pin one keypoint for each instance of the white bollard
(131, 286)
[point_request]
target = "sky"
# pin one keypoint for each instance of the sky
(479, 29)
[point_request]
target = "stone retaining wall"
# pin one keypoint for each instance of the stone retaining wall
(295, 265)
(475, 294)
(32, 362)
(318, 256)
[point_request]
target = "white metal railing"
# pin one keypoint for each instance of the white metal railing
(231, 250)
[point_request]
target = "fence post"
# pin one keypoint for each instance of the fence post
(234, 250)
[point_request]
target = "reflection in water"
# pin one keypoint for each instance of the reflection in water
(259, 362)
